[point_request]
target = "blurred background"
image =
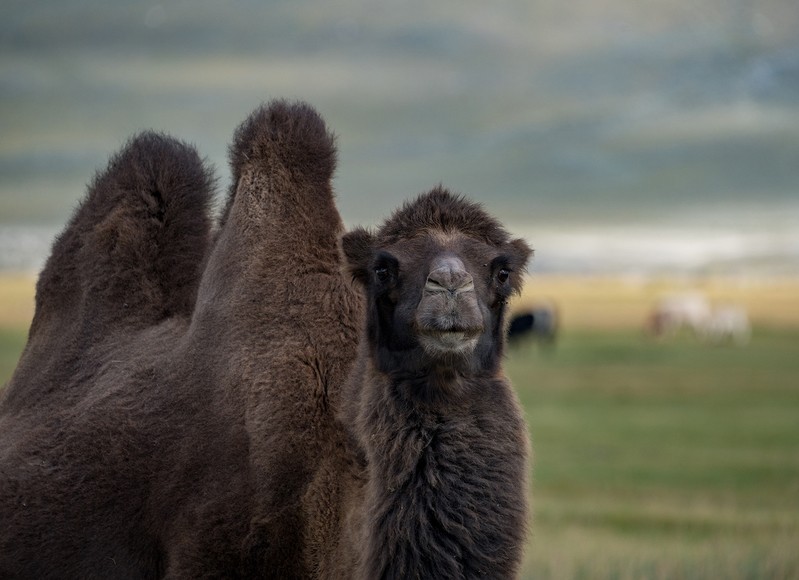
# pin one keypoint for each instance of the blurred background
(648, 151)
(616, 135)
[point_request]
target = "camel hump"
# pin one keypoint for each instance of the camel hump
(133, 250)
(282, 157)
(291, 135)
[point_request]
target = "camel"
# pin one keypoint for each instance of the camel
(171, 405)
(209, 403)
(443, 438)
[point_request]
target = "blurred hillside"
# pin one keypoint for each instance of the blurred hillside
(594, 128)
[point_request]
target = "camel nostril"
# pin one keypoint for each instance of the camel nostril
(449, 275)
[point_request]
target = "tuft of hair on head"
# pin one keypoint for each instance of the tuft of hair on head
(440, 209)
(290, 134)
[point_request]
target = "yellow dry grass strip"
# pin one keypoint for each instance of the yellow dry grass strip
(582, 301)
(606, 303)
(16, 300)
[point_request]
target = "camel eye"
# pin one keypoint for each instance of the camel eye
(382, 274)
(503, 275)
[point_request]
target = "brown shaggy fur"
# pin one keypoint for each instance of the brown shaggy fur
(183, 408)
(441, 429)
(167, 422)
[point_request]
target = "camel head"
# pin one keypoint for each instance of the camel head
(437, 275)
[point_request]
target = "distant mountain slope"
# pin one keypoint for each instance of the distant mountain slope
(588, 111)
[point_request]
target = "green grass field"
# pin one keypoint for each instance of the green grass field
(652, 459)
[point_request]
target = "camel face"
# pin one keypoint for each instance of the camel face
(442, 291)
(437, 289)
(449, 319)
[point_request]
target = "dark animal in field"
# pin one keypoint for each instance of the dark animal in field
(537, 324)
(183, 409)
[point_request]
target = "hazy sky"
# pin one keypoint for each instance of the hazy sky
(588, 115)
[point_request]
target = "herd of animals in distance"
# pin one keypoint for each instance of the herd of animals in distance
(688, 313)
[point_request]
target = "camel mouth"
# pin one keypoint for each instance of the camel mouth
(453, 340)
(448, 330)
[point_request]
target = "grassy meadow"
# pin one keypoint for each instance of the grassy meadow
(662, 459)
(653, 459)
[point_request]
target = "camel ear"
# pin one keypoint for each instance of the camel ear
(357, 246)
(519, 253)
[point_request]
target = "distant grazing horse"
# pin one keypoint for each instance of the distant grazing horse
(692, 312)
(728, 324)
(689, 311)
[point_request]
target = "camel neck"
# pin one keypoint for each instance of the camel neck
(442, 486)
(406, 495)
